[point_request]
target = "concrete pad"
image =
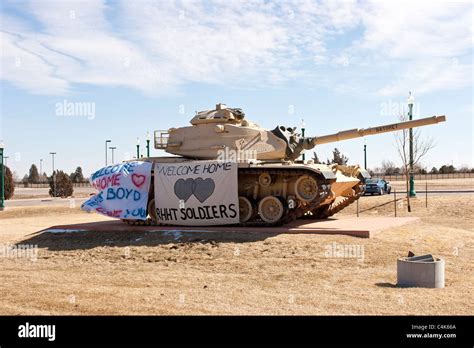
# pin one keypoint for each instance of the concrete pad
(363, 227)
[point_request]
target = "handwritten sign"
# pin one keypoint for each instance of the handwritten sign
(198, 193)
(123, 190)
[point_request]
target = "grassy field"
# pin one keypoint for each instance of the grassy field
(437, 185)
(255, 272)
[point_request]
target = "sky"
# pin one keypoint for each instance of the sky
(74, 74)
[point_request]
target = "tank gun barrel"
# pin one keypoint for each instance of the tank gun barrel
(362, 132)
(213, 132)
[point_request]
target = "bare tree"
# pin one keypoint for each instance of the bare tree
(389, 168)
(421, 146)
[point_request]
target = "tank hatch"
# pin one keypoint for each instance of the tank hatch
(221, 114)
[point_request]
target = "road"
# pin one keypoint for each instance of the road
(23, 192)
(31, 202)
(30, 197)
(434, 193)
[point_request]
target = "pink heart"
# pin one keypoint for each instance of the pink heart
(138, 180)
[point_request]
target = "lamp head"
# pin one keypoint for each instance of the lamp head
(302, 124)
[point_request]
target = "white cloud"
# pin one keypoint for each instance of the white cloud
(422, 41)
(415, 29)
(27, 69)
(155, 47)
(439, 74)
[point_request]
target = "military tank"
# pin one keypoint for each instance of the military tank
(274, 186)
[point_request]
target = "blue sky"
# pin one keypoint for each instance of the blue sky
(149, 65)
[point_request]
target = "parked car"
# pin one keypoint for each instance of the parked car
(377, 185)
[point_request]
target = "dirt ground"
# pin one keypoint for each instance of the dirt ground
(255, 272)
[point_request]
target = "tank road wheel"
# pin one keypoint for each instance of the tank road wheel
(247, 209)
(152, 211)
(265, 179)
(306, 188)
(271, 209)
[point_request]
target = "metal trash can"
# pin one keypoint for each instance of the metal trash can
(423, 271)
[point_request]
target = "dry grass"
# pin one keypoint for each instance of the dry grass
(441, 184)
(451, 211)
(30, 212)
(235, 273)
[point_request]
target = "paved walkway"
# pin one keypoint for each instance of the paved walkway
(364, 227)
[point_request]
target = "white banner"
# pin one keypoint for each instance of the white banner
(198, 193)
(123, 190)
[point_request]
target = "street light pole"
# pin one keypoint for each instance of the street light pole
(138, 148)
(2, 178)
(147, 144)
(365, 156)
(411, 101)
(54, 177)
(302, 133)
(112, 148)
(52, 155)
(107, 141)
(41, 166)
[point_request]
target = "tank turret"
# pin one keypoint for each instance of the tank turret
(224, 131)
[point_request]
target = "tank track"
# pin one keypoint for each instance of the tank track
(334, 208)
(324, 189)
(293, 214)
